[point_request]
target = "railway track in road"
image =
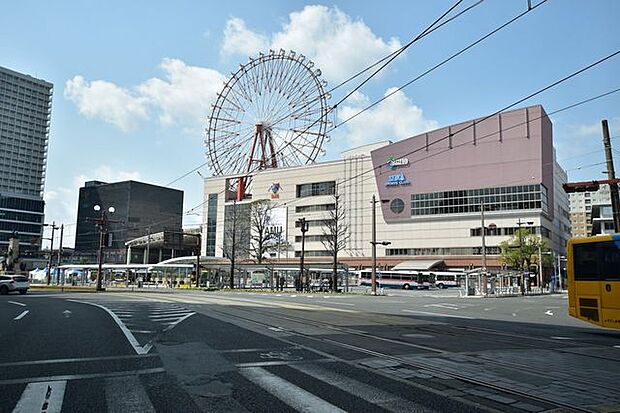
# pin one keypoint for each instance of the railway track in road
(544, 403)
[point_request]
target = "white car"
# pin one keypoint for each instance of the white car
(11, 283)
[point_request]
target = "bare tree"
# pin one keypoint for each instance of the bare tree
(335, 235)
(263, 236)
(236, 235)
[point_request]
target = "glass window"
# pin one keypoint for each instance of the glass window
(398, 205)
(585, 262)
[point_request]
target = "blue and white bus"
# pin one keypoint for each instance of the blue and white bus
(406, 280)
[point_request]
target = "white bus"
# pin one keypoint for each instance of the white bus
(445, 279)
(396, 279)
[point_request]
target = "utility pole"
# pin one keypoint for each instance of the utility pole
(199, 240)
(147, 252)
(49, 265)
(62, 229)
(304, 228)
(482, 278)
(102, 225)
(233, 246)
(336, 228)
(611, 175)
(373, 277)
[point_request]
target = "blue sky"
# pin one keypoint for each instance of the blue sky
(134, 80)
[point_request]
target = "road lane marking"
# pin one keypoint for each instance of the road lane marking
(42, 397)
(171, 315)
(561, 338)
(75, 360)
(356, 388)
(16, 303)
(336, 303)
(295, 397)
(127, 394)
(130, 337)
(173, 325)
(22, 315)
(439, 314)
(68, 377)
(66, 313)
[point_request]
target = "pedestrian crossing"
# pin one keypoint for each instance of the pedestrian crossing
(301, 387)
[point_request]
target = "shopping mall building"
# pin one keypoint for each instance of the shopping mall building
(429, 190)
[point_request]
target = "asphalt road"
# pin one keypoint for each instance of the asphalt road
(406, 351)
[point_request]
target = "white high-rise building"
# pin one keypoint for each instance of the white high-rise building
(590, 212)
(25, 111)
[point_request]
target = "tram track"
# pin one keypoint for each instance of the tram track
(478, 383)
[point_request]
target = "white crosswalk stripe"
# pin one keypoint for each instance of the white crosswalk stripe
(364, 391)
(294, 396)
(127, 392)
(46, 396)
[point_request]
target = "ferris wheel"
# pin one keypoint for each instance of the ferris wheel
(271, 113)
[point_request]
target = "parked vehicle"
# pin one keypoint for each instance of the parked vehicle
(12, 283)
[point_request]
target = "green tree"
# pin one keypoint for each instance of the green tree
(522, 249)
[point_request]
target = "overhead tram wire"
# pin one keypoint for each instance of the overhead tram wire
(390, 56)
(557, 82)
(361, 72)
(565, 108)
(438, 65)
(400, 51)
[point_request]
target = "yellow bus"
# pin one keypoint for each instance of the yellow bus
(593, 267)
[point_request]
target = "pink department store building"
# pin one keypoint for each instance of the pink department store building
(430, 186)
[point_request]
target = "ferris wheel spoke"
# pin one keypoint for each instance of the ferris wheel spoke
(282, 92)
(289, 146)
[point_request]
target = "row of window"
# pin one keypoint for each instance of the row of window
(475, 208)
(499, 231)
(20, 227)
(318, 253)
(211, 224)
(313, 238)
(480, 192)
(316, 189)
(443, 251)
(22, 204)
(313, 223)
(315, 208)
(20, 216)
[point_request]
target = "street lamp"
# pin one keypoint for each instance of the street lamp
(303, 224)
(102, 224)
(374, 243)
(521, 258)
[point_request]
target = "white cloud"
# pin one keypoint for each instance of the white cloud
(184, 96)
(338, 44)
(107, 101)
(395, 118)
(239, 39)
(61, 203)
(186, 93)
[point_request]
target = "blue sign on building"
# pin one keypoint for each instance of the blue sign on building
(396, 180)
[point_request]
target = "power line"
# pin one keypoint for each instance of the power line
(438, 65)
(560, 81)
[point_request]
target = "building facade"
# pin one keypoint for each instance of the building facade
(139, 209)
(429, 191)
(590, 212)
(25, 112)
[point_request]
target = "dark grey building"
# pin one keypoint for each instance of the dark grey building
(25, 111)
(139, 209)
